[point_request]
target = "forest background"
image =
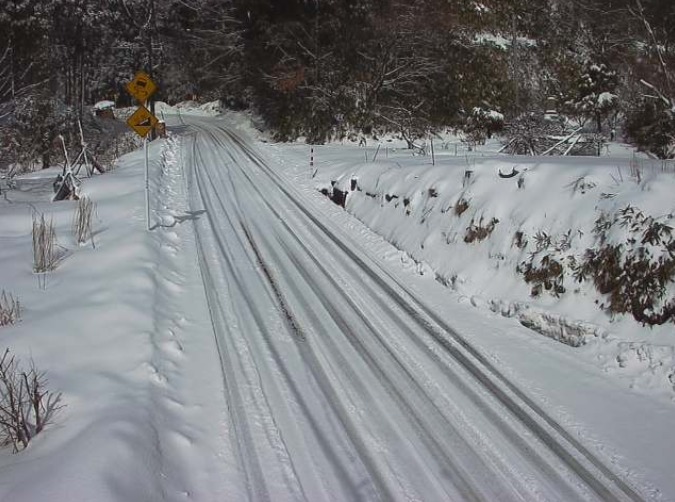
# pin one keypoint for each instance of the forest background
(328, 69)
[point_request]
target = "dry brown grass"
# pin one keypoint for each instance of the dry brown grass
(82, 221)
(44, 245)
(10, 309)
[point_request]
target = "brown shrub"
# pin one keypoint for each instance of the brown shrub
(479, 232)
(461, 206)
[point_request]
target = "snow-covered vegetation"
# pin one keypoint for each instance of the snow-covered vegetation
(512, 160)
(132, 357)
(577, 249)
(329, 69)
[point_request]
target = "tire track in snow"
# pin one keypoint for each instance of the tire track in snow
(597, 476)
(427, 407)
(468, 492)
(349, 480)
(345, 423)
(254, 480)
(513, 436)
(588, 468)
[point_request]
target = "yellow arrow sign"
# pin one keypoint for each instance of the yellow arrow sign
(142, 121)
(141, 87)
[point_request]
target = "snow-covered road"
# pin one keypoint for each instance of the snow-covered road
(342, 383)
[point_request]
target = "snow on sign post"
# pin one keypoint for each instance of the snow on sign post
(142, 122)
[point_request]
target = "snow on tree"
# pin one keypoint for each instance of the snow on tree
(482, 124)
(594, 94)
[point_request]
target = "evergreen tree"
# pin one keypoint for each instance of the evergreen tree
(593, 95)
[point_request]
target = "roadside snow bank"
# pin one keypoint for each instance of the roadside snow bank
(122, 331)
(88, 329)
(513, 234)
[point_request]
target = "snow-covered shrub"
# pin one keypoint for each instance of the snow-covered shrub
(26, 406)
(582, 185)
(107, 140)
(478, 231)
(482, 124)
(545, 267)
(36, 121)
(520, 239)
(528, 134)
(460, 206)
(634, 265)
(544, 272)
(10, 309)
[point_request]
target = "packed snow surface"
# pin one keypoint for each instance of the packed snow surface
(260, 343)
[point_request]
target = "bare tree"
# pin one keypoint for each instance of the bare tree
(6, 83)
(656, 133)
(658, 46)
(401, 61)
(11, 88)
(6, 92)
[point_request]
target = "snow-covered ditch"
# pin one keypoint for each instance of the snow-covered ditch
(512, 234)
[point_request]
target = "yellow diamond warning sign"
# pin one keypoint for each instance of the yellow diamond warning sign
(141, 87)
(142, 121)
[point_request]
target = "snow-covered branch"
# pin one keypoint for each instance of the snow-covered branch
(639, 13)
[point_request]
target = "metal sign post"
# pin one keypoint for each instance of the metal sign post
(147, 185)
(142, 121)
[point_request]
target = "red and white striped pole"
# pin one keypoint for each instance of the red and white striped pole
(311, 162)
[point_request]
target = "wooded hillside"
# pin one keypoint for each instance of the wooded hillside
(325, 68)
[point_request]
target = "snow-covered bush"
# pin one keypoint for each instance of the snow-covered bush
(520, 239)
(26, 406)
(460, 206)
(10, 309)
(634, 265)
(545, 267)
(107, 140)
(528, 134)
(482, 124)
(36, 121)
(479, 231)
